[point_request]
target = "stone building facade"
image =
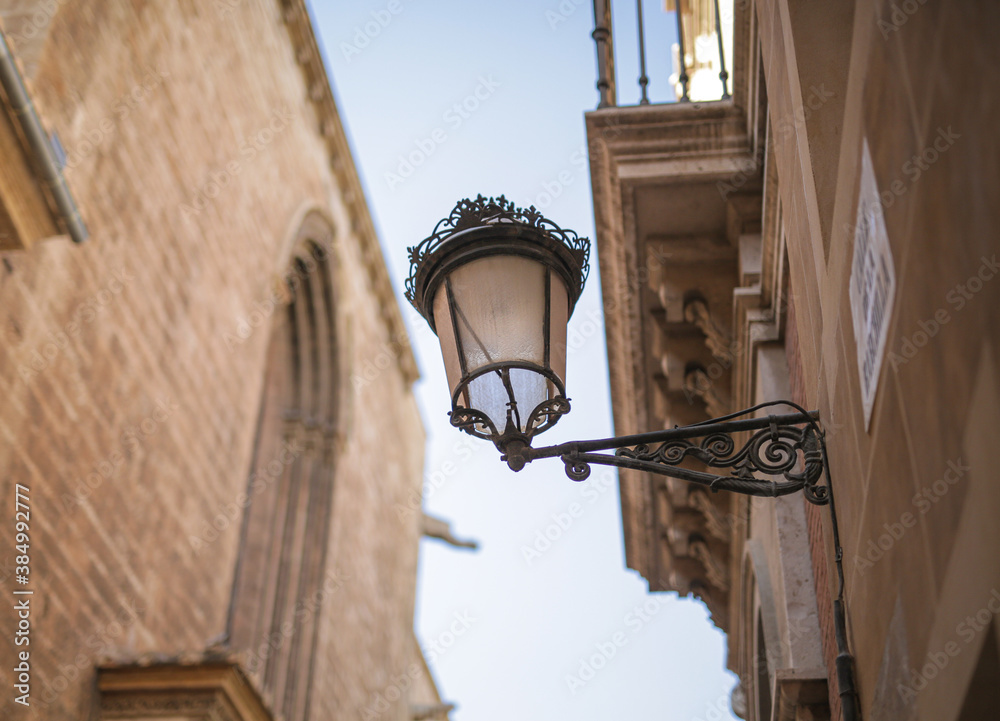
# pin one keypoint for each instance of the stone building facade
(843, 198)
(202, 363)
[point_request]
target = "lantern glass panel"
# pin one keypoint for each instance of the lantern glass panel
(446, 335)
(497, 307)
(558, 321)
(492, 312)
(488, 394)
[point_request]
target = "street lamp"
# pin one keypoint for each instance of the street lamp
(498, 284)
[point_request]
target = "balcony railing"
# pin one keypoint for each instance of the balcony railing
(700, 45)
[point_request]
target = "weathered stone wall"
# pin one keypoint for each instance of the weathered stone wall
(131, 367)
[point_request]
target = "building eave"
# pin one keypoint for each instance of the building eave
(310, 59)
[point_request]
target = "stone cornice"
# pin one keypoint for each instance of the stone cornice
(207, 690)
(653, 142)
(310, 59)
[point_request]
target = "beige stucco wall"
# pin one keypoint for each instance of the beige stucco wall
(912, 78)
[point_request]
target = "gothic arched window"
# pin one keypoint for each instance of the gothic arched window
(280, 579)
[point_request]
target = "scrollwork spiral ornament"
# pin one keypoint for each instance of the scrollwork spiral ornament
(577, 470)
(718, 445)
(546, 414)
(471, 421)
(773, 451)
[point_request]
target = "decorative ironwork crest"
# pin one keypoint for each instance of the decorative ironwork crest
(489, 211)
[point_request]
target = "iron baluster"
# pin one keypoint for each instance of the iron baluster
(643, 79)
(723, 75)
(605, 53)
(683, 77)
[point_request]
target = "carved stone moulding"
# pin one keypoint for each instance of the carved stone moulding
(179, 692)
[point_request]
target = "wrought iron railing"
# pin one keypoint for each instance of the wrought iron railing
(700, 49)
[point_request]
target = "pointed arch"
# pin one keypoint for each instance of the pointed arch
(279, 582)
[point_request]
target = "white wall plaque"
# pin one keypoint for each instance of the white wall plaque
(873, 284)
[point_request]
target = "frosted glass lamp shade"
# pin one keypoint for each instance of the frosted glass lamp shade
(501, 321)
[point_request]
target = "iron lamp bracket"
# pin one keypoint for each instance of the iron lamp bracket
(788, 448)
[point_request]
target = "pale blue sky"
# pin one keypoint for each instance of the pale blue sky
(508, 626)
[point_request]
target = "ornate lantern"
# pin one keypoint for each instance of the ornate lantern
(498, 285)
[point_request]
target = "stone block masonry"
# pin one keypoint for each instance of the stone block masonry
(126, 412)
